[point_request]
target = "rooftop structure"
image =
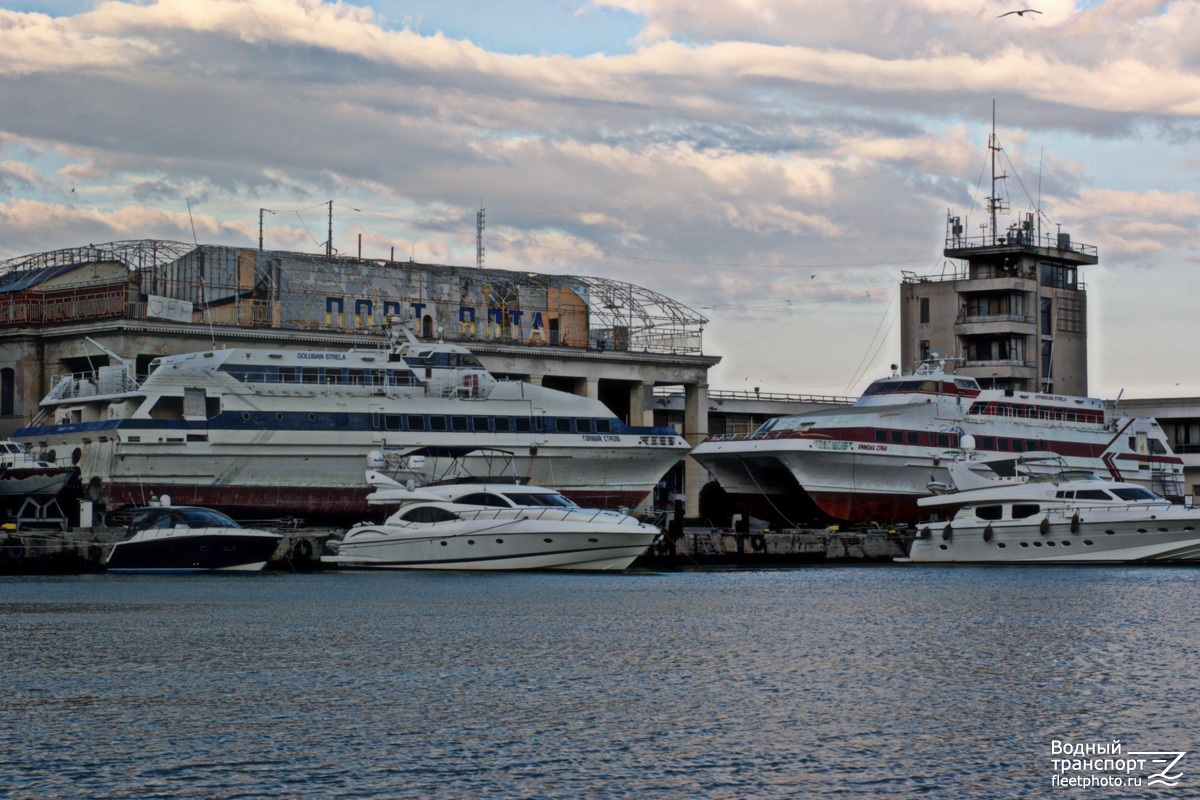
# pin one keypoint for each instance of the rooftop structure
(210, 284)
(1012, 314)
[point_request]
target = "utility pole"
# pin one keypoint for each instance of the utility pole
(329, 241)
(261, 212)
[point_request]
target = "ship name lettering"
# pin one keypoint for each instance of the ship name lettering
(321, 356)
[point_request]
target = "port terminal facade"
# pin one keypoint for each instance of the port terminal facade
(607, 340)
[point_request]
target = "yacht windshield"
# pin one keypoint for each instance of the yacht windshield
(766, 426)
(204, 518)
(1134, 493)
(540, 500)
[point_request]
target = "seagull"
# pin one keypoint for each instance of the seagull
(1020, 13)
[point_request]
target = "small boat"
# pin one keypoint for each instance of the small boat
(176, 539)
(474, 523)
(23, 474)
(1033, 508)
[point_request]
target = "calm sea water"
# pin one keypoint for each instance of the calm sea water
(886, 681)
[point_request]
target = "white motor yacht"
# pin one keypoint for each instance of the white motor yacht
(1032, 508)
(471, 523)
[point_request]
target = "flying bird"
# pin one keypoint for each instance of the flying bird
(1020, 13)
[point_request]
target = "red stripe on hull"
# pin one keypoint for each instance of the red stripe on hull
(249, 502)
(864, 507)
(802, 509)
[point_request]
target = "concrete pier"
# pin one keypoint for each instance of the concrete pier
(84, 550)
(714, 547)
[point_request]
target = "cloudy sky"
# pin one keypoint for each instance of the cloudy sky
(777, 165)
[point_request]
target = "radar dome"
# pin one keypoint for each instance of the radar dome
(375, 460)
(967, 443)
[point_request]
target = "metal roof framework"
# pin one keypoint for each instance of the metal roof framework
(627, 316)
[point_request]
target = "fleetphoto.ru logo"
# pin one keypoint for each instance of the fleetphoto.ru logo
(1103, 764)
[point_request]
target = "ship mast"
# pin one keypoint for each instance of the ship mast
(995, 202)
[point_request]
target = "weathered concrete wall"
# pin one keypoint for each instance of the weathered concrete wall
(707, 547)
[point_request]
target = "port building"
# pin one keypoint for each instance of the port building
(1011, 311)
(65, 311)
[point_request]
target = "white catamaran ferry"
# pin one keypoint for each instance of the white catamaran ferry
(266, 432)
(870, 462)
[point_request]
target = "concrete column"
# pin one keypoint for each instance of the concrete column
(591, 388)
(695, 430)
(535, 378)
(641, 408)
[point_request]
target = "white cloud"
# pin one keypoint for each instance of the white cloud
(742, 155)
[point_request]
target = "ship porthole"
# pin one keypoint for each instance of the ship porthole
(941, 547)
(1087, 541)
(312, 417)
(443, 544)
(245, 416)
(593, 539)
(279, 417)
(1110, 533)
(548, 541)
(1000, 545)
(499, 541)
(470, 541)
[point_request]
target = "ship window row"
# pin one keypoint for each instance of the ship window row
(916, 438)
(1005, 444)
(320, 375)
(902, 387)
(458, 423)
(1001, 444)
(917, 385)
(1129, 494)
(1026, 411)
(1016, 511)
(443, 359)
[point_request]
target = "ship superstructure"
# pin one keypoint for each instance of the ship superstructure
(279, 432)
(872, 461)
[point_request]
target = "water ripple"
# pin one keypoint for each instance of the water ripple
(815, 682)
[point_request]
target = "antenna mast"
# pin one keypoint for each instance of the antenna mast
(995, 203)
(479, 237)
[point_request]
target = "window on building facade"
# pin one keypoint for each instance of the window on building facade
(1059, 276)
(924, 310)
(8, 390)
